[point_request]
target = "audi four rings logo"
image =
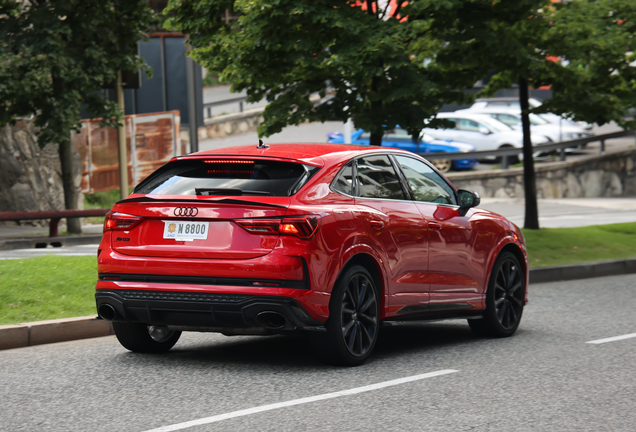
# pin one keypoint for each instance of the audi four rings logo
(186, 211)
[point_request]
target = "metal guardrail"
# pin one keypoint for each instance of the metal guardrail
(54, 216)
(207, 107)
(513, 151)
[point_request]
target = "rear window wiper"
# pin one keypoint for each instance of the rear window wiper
(228, 192)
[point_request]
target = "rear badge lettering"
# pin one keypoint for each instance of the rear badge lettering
(122, 239)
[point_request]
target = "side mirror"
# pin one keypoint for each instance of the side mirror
(484, 130)
(467, 199)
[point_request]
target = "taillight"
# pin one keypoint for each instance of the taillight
(303, 227)
(120, 221)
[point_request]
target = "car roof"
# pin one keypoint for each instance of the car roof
(317, 154)
(469, 114)
(502, 99)
(494, 109)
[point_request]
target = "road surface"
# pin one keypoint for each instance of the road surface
(423, 377)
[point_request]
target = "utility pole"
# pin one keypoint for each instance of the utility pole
(121, 140)
(193, 118)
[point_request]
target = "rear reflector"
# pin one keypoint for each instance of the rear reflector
(266, 284)
(303, 227)
(120, 221)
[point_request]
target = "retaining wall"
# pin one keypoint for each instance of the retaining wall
(609, 175)
(231, 124)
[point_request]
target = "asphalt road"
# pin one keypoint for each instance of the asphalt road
(546, 377)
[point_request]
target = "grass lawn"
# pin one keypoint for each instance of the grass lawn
(554, 246)
(47, 287)
(52, 287)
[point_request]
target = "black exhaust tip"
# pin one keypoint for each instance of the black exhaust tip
(271, 320)
(106, 312)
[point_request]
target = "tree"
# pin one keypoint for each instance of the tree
(370, 55)
(517, 41)
(596, 43)
(55, 56)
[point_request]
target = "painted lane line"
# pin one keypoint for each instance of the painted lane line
(249, 411)
(612, 339)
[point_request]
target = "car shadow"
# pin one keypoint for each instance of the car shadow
(294, 352)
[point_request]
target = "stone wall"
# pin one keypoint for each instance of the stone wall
(30, 177)
(230, 124)
(609, 175)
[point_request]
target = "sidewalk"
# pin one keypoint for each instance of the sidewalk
(14, 236)
(567, 212)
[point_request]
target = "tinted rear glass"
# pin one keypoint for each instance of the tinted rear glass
(222, 177)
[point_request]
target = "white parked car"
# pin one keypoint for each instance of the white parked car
(482, 131)
(534, 103)
(538, 125)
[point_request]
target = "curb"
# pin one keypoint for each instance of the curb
(60, 330)
(66, 329)
(43, 241)
(586, 270)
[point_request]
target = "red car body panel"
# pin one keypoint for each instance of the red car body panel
(424, 254)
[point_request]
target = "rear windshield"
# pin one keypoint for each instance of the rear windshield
(223, 177)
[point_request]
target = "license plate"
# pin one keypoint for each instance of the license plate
(185, 231)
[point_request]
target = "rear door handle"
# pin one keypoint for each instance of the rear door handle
(376, 224)
(435, 226)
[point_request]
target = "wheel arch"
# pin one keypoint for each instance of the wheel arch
(515, 249)
(373, 267)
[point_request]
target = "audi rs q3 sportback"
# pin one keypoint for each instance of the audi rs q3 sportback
(328, 240)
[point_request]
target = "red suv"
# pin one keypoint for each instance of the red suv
(330, 240)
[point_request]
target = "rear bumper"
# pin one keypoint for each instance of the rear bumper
(205, 311)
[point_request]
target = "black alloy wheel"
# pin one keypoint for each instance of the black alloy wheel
(359, 315)
(505, 299)
(354, 320)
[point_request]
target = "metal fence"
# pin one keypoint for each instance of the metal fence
(207, 107)
(543, 148)
(151, 141)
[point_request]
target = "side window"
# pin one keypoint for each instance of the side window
(425, 183)
(508, 119)
(376, 178)
(467, 125)
(344, 180)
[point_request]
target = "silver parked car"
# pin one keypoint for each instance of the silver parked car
(534, 103)
(565, 131)
(482, 131)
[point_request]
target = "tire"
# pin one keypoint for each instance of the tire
(443, 165)
(137, 337)
(505, 299)
(354, 320)
(511, 159)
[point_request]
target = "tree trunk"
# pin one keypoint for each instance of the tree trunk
(68, 184)
(529, 181)
(376, 139)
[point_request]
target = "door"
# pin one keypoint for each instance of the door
(396, 230)
(455, 268)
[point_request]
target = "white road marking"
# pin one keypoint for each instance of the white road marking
(612, 339)
(249, 411)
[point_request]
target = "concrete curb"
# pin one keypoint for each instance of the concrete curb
(583, 270)
(66, 329)
(44, 241)
(60, 330)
